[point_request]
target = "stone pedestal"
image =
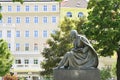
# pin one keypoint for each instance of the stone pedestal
(82, 74)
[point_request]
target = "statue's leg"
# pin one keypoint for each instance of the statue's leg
(64, 61)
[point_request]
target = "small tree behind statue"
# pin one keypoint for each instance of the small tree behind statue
(6, 58)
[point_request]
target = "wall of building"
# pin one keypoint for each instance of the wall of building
(26, 27)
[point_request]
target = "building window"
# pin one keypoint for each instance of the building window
(53, 19)
(0, 20)
(35, 19)
(26, 61)
(27, 8)
(53, 32)
(53, 7)
(69, 14)
(9, 34)
(26, 47)
(44, 33)
(18, 20)
(80, 14)
(36, 8)
(9, 46)
(9, 20)
(0, 34)
(17, 47)
(9, 8)
(26, 33)
(35, 61)
(45, 8)
(27, 19)
(35, 47)
(18, 61)
(17, 33)
(45, 20)
(35, 33)
(18, 8)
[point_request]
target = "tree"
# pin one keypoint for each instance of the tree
(59, 45)
(103, 26)
(5, 58)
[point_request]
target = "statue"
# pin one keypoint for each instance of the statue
(81, 56)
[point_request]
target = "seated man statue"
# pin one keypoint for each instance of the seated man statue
(81, 56)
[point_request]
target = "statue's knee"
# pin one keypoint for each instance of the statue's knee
(68, 54)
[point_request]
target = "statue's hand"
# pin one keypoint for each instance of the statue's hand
(77, 49)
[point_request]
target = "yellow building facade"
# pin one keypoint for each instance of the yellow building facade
(73, 9)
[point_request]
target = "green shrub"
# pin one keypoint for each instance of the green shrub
(105, 73)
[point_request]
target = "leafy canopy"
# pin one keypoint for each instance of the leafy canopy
(103, 25)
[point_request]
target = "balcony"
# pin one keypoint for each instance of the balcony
(26, 68)
(3, 25)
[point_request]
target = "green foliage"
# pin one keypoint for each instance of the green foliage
(103, 25)
(113, 70)
(59, 44)
(105, 73)
(6, 58)
(21, 1)
(58, 0)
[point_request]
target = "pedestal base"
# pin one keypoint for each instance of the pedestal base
(66, 74)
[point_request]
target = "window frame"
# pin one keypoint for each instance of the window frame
(36, 33)
(36, 8)
(8, 33)
(17, 33)
(45, 8)
(9, 20)
(26, 46)
(69, 14)
(45, 34)
(54, 19)
(35, 61)
(27, 34)
(9, 8)
(17, 46)
(26, 61)
(27, 8)
(17, 19)
(27, 20)
(1, 33)
(45, 20)
(18, 8)
(80, 14)
(54, 8)
(36, 19)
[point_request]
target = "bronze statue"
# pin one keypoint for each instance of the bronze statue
(81, 56)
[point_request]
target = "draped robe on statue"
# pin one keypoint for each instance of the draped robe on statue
(83, 55)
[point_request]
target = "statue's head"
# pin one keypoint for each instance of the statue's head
(73, 34)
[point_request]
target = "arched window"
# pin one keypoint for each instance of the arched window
(80, 14)
(69, 14)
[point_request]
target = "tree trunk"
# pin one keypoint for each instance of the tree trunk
(118, 65)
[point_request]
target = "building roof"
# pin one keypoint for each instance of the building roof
(28, 0)
(74, 3)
